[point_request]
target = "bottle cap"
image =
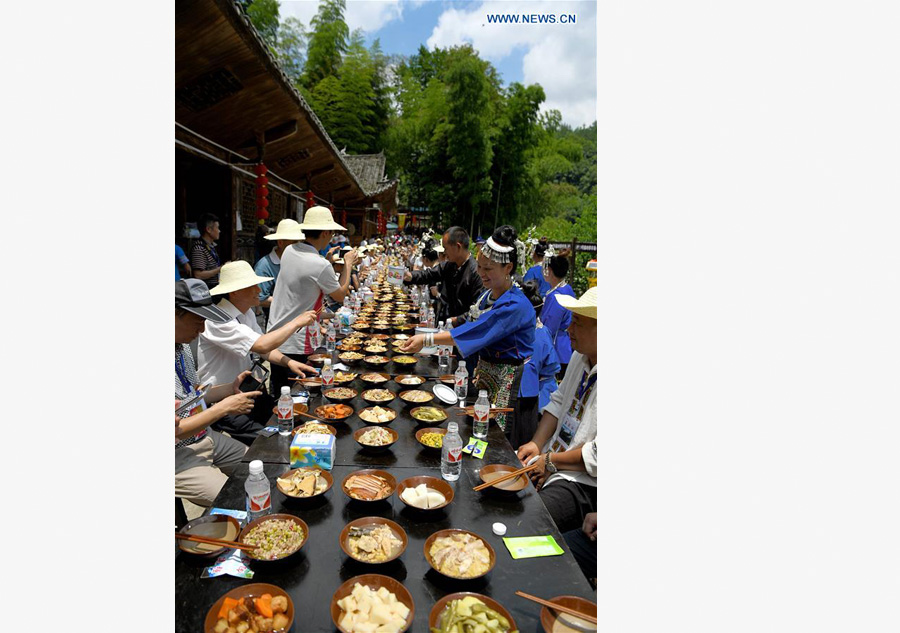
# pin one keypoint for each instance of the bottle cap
(256, 467)
(462, 364)
(452, 427)
(499, 529)
(482, 393)
(285, 391)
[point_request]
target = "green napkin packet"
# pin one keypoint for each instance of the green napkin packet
(475, 448)
(532, 546)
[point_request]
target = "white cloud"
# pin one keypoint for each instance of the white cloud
(560, 57)
(368, 15)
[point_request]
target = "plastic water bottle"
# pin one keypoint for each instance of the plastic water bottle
(443, 353)
(451, 453)
(429, 320)
(314, 335)
(259, 495)
(344, 316)
(330, 337)
(327, 375)
(285, 412)
(482, 414)
(461, 384)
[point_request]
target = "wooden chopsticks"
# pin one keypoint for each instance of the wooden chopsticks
(512, 475)
(557, 607)
(306, 415)
(213, 541)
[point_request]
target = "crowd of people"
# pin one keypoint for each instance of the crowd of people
(527, 339)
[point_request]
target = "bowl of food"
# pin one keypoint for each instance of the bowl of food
(267, 607)
(428, 415)
(375, 378)
(378, 396)
(315, 428)
(459, 554)
(299, 408)
(377, 415)
(334, 412)
(340, 394)
(369, 484)
(373, 540)
(218, 526)
(425, 493)
(375, 438)
(360, 326)
(464, 610)
(379, 337)
(377, 602)
(416, 397)
(409, 379)
(350, 357)
(406, 359)
(556, 622)
(376, 349)
(311, 384)
(304, 483)
(376, 361)
(431, 438)
(448, 379)
(343, 377)
(318, 360)
(400, 337)
(276, 537)
(494, 471)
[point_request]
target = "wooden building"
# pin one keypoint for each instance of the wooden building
(234, 107)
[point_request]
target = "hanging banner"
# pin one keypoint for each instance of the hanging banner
(401, 220)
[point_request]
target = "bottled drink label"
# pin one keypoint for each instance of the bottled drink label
(260, 502)
(454, 455)
(286, 413)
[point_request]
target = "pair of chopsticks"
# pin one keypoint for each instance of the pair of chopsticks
(213, 541)
(557, 607)
(512, 475)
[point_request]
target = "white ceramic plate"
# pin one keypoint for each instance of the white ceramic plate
(445, 394)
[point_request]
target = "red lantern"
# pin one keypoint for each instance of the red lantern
(262, 192)
(261, 181)
(310, 199)
(260, 170)
(262, 203)
(262, 214)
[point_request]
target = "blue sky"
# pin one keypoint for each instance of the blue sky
(560, 57)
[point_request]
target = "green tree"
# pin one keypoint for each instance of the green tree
(327, 43)
(264, 15)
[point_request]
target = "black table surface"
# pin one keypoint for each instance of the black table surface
(313, 575)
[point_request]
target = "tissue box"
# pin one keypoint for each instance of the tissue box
(313, 450)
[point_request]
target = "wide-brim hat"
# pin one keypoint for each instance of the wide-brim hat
(237, 276)
(586, 305)
(194, 296)
(287, 230)
(320, 219)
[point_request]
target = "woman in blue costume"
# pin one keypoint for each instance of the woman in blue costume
(539, 377)
(536, 272)
(555, 317)
(499, 334)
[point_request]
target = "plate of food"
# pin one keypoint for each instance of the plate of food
(425, 493)
(377, 415)
(428, 415)
(275, 536)
(258, 607)
(334, 412)
(315, 428)
(375, 438)
(431, 438)
(355, 604)
(401, 337)
(343, 377)
(304, 483)
(378, 396)
(409, 379)
(405, 359)
(466, 611)
(340, 394)
(373, 540)
(375, 378)
(350, 357)
(459, 554)
(369, 485)
(416, 397)
(379, 349)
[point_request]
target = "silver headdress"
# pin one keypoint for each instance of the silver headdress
(496, 253)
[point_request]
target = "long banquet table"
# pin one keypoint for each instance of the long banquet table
(312, 576)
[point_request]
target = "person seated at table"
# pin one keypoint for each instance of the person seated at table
(556, 318)
(227, 349)
(583, 545)
(564, 445)
(499, 333)
(201, 452)
(539, 377)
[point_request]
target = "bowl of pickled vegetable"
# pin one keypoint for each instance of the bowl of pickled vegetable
(466, 611)
(428, 415)
(431, 438)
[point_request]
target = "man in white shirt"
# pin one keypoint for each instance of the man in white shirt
(565, 443)
(305, 278)
(225, 348)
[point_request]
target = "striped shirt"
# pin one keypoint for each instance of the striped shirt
(205, 257)
(183, 357)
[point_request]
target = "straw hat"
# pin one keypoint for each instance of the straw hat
(287, 230)
(585, 306)
(320, 219)
(237, 276)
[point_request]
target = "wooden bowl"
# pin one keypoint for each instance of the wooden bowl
(385, 378)
(299, 408)
(406, 363)
(367, 396)
(422, 432)
(392, 482)
(375, 449)
(331, 429)
(319, 412)
(434, 483)
(510, 486)
(415, 411)
(440, 533)
(214, 526)
(548, 617)
(347, 359)
(344, 378)
(380, 337)
(375, 582)
(365, 522)
(311, 384)
(372, 361)
(418, 403)
(318, 360)
(330, 394)
(399, 377)
(448, 379)
(435, 616)
(261, 520)
(348, 347)
(329, 480)
(253, 590)
(391, 411)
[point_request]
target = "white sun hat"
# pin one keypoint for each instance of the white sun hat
(320, 219)
(586, 305)
(237, 276)
(287, 230)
